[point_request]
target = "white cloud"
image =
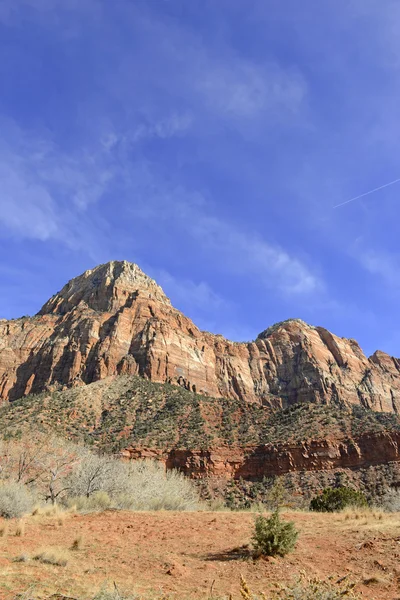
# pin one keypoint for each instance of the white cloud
(385, 266)
(174, 125)
(247, 253)
(214, 84)
(241, 89)
(43, 189)
(26, 208)
(186, 292)
(236, 250)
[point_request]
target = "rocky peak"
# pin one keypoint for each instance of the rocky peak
(119, 321)
(105, 288)
(288, 325)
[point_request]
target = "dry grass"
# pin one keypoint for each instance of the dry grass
(52, 513)
(372, 519)
(52, 510)
(367, 513)
(20, 529)
(77, 544)
(22, 558)
(304, 588)
(374, 580)
(3, 529)
(52, 556)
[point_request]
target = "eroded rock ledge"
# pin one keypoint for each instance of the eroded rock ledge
(256, 462)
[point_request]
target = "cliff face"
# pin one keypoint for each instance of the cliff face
(116, 320)
(256, 462)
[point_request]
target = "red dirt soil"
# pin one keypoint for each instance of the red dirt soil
(187, 554)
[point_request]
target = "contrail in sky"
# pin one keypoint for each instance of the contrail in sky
(367, 193)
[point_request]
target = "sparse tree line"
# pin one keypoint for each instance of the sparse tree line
(45, 469)
(51, 470)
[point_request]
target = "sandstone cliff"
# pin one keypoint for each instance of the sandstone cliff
(115, 320)
(268, 460)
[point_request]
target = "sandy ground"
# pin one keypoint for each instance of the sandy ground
(185, 555)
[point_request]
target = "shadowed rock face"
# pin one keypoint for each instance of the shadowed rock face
(114, 319)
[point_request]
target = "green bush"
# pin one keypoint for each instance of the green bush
(336, 499)
(15, 500)
(274, 537)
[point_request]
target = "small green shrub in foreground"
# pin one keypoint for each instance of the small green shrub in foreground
(274, 537)
(336, 499)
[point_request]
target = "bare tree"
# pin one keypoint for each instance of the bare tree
(99, 474)
(58, 464)
(21, 460)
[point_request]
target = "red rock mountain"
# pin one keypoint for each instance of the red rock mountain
(114, 319)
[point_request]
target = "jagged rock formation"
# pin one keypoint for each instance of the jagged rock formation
(116, 320)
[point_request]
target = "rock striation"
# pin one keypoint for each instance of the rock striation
(116, 320)
(269, 460)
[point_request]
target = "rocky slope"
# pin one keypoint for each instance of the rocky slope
(115, 320)
(208, 437)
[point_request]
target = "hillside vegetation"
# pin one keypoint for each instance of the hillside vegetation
(128, 410)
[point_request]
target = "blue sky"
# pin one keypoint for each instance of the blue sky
(208, 142)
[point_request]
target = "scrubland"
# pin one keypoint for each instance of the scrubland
(75, 524)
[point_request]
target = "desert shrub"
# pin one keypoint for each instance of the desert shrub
(15, 500)
(96, 474)
(272, 536)
(97, 502)
(153, 488)
(336, 499)
(139, 485)
(277, 495)
(390, 501)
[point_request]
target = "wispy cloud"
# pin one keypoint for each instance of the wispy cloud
(188, 293)
(10, 10)
(240, 251)
(43, 188)
(245, 90)
(174, 125)
(383, 265)
(249, 254)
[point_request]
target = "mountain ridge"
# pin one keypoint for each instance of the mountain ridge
(114, 320)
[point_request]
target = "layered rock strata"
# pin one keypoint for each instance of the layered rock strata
(256, 462)
(114, 320)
